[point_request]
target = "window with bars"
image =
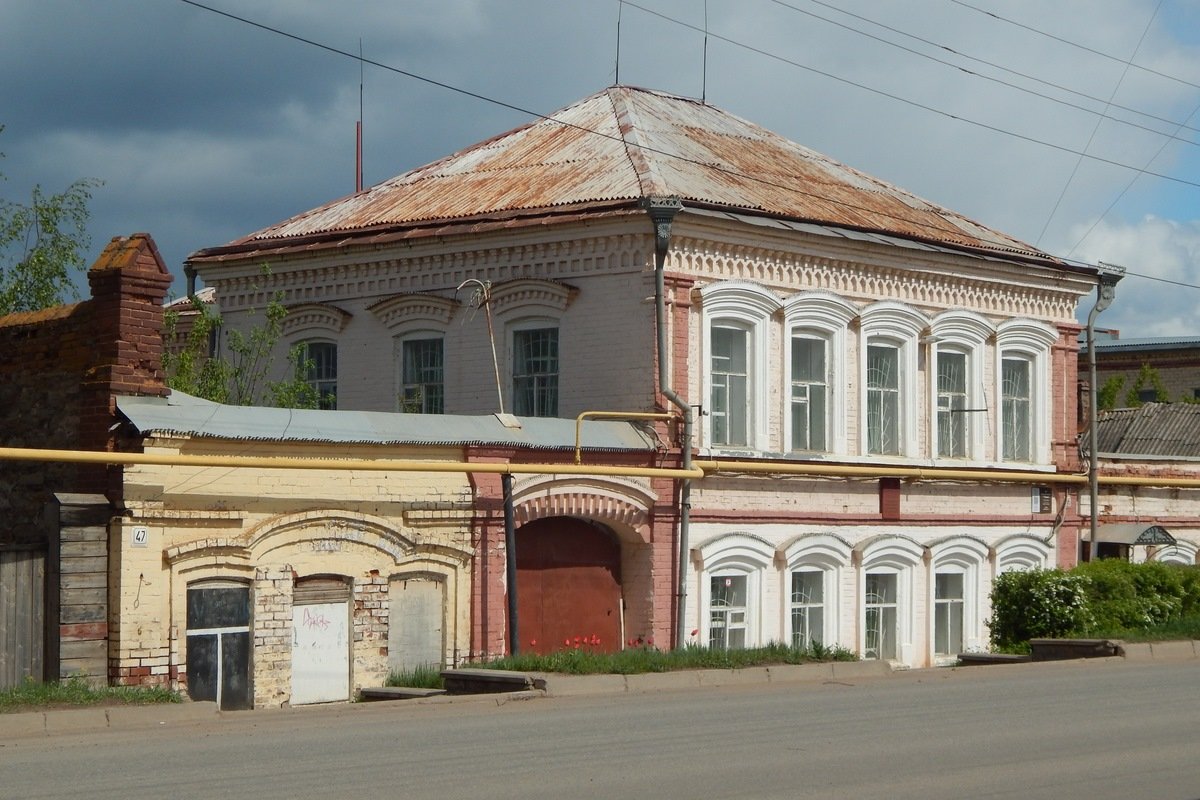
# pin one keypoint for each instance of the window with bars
(421, 369)
(1017, 409)
(883, 399)
(810, 391)
(808, 608)
(535, 372)
(729, 403)
(727, 612)
(318, 362)
(881, 620)
(952, 404)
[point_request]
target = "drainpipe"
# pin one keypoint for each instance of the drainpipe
(189, 272)
(510, 565)
(1106, 290)
(662, 212)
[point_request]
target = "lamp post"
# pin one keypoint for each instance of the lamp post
(1106, 291)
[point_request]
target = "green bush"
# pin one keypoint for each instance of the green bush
(1125, 596)
(1037, 604)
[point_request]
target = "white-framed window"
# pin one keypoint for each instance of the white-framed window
(730, 573)
(881, 621)
(729, 396)
(728, 610)
(735, 385)
(815, 325)
(957, 340)
(535, 371)
(887, 566)
(952, 408)
(884, 423)
(422, 374)
(957, 597)
(319, 368)
(811, 577)
(1023, 354)
(889, 401)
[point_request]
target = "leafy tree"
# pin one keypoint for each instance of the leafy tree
(1147, 377)
(239, 375)
(41, 245)
(1106, 399)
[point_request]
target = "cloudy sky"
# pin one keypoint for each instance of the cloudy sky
(1073, 125)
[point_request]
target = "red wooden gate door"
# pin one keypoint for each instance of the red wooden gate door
(568, 585)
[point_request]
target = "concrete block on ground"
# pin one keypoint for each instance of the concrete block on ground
(376, 693)
(1138, 651)
(1182, 649)
(488, 681)
(981, 659)
(846, 670)
(567, 685)
(662, 681)
(21, 725)
(76, 720)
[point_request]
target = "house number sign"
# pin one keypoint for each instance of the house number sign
(139, 536)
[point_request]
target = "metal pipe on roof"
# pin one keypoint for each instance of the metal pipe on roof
(622, 415)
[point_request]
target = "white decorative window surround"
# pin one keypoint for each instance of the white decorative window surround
(527, 296)
(885, 591)
(814, 417)
(739, 312)
(1022, 553)
(811, 572)
(1022, 400)
(730, 571)
(956, 597)
(418, 325)
(959, 428)
(1182, 552)
(406, 312)
(887, 367)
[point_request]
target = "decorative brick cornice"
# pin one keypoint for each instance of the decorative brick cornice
(623, 504)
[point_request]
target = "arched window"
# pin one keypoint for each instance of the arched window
(814, 355)
(956, 623)
(1023, 368)
(318, 368)
(956, 345)
(812, 571)
(888, 377)
(731, 571)
(886, 592)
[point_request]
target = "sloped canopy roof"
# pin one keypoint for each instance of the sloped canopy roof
(1154, 430)
(608, 151)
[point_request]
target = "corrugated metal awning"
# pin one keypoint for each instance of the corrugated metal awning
(1133, 533)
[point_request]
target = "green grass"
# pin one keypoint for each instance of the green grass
(75, 692)
(584, 660)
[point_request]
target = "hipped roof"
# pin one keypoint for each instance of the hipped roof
(607, 152)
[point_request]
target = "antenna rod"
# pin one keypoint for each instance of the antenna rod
(358, 170)
(617, 73)
(704, 65)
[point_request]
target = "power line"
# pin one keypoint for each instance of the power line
(985, 62)
(1008, 244)
(906, 101)
(1083, 47)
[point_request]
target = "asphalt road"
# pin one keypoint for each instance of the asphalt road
(1104, 729)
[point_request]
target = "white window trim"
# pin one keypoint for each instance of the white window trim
(1023, 338)
(967, 333)
(745, 305)
(966, 557)
(831, 556)
(896, 325)
(734, 554)
(824, 316)
(1022, 553)
(900, 556)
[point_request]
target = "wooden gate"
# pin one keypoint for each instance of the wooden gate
(568, 585)
(22, 614)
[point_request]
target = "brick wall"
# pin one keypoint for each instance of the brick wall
(59, 370)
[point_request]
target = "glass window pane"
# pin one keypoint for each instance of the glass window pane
(535, 372)
(883, 400)
(421, 375)
(1016, 411)
(809, 383)
(730, 382)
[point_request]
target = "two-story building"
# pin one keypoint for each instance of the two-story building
(872, 399)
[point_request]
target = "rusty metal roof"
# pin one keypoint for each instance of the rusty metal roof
(611, 149)
(1154, 430)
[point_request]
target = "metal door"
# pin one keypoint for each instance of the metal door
(568, 586)
(320, 641)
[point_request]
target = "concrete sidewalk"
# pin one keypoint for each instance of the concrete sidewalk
(30, 724)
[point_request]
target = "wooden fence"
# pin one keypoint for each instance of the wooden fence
(22, 614)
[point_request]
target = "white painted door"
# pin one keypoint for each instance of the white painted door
(415, 623)
(320, 653)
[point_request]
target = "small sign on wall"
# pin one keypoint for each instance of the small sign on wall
(139, 536)
(1041, 500)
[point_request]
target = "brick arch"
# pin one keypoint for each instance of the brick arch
(623, 506)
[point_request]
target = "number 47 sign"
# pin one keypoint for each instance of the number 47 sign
(139, 536)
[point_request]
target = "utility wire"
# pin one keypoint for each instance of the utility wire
(985, 62)
(906, 101)
(1086, 147)
(1006, 244)
(1083, 47)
